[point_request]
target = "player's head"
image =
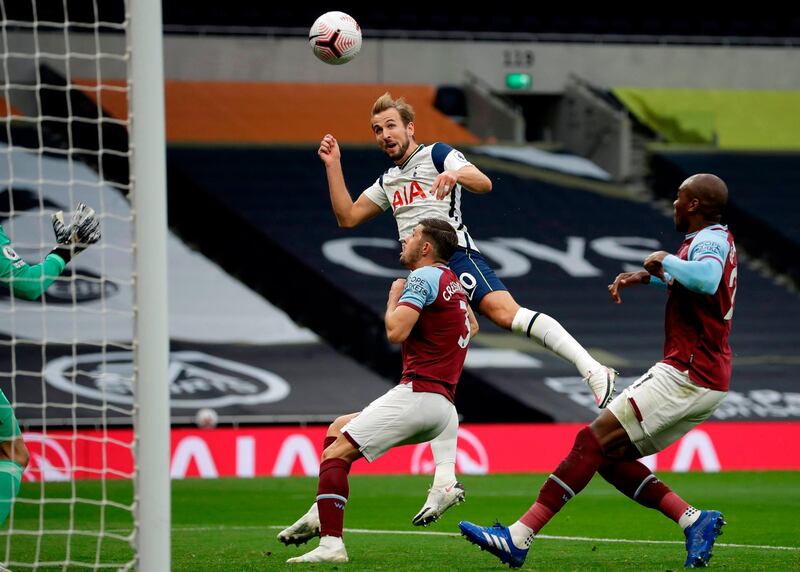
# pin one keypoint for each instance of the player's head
(701, 200)
(393, 125)
(433, 241)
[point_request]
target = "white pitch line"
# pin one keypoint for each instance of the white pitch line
(435, 533)
(549, 537)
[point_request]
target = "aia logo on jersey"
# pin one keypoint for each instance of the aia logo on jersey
(471, 456)
(407, 195)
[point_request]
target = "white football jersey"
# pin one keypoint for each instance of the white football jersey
(406, 190)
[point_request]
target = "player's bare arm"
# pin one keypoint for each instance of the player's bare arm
(349, 214)
(653, 263)
(625, 280)
(399, 320)
(469, 177)
(473, 323)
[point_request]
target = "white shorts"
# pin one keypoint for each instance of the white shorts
(662, 406)
(399, 417)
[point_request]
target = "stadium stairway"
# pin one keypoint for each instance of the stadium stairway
(750, 139)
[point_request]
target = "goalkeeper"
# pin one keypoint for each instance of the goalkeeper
(29, 282)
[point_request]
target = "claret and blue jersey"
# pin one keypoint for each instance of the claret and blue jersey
(700, 306)
(434, 352)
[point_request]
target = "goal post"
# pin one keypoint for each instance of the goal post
(85, 366)
(146, 111)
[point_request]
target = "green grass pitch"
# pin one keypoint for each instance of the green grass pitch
(230, 525)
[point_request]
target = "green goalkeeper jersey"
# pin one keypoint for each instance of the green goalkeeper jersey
(24, 280)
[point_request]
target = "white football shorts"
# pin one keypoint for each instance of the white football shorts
(662, 406)
(399, 417)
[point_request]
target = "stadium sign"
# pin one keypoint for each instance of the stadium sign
(510, 257)
(48, 460)
(295, 451)
(196, 380)
(471, 456)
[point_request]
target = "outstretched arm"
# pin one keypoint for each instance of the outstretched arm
(29, 282)
(348, 214)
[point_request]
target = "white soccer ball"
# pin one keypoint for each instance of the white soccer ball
(206, 418)
(335, 38)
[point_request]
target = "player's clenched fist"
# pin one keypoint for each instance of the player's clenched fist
(653, 263)
(395, 291)
(397, 287)
(329, 150)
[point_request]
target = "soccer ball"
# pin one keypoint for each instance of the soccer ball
(206, 418)
(335, 38)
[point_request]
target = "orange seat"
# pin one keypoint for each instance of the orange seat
(239, 112)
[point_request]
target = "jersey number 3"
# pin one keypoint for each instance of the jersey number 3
(463, 341)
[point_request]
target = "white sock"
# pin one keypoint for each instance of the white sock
(521, 535)
(552, 335)
(445, 475)
(689, 517)
(333, 542)
(444, 448)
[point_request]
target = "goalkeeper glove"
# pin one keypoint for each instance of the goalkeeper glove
(83, 231)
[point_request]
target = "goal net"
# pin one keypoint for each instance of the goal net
(68, 358)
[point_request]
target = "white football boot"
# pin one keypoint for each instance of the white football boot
(601, 382)
(306, 528)
(330, 549)
(438, 501)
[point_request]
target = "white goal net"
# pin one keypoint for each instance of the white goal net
(67, 357)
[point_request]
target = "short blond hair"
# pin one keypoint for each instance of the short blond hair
(385, 102)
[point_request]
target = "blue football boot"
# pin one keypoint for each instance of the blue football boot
(700, 538)
(497, 540)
